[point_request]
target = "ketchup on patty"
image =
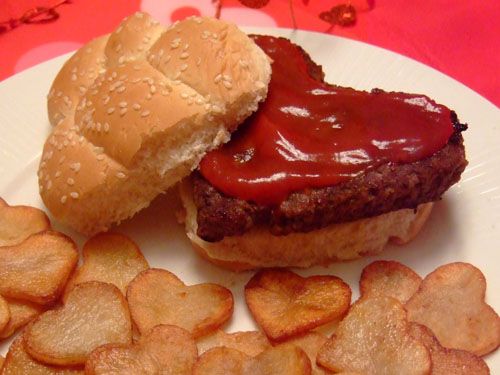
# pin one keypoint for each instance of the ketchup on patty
(310, 134)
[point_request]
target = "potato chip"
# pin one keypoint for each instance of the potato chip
(164, 350)
(4, 313)
(19, 222)
(111, 258)
(21, 313)
(450, 301)
(157, 296)
(251, 342)
(373, 339)
(310, 343)
(285, 304)
(37, 269)
(281, 360)
(94, 314)
(389, 278)
(448, 361)
(19, 362)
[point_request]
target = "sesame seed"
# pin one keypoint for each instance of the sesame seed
(98, 126)
(74, 195)
(111, 110)
(121, 175)
(70, 181)
(100, 157)
(123, 111)
(122, 104)
(58, 174)
(106, 127)
(186, 46)
(152, 89)
(106, 99)
(61, 159)
(198, 61)
(149, 96)
(136, 106)
(184, 55)
(228, 85)
(183, 67)
(121, 60)
(175, 43)
(218, 78)
(145, 113)
(184, 95)
(73, 77)
(49, 184)
(199, 101)
(64, 199)
(75, 166)
(121, 89)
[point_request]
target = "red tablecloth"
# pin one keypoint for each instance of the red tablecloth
(460, 38)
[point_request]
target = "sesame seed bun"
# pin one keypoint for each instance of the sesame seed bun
(134, 112)
(259, 248)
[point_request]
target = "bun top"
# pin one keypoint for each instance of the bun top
(135, 111)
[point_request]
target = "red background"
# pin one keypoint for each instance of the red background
(459, 38)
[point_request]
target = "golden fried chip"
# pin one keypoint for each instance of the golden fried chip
(19, 362)
(19, 222)
(310, 343)
(164, 350)
(373, 339)
(111, 258)
(282, 360)
(21, 313)
(94, 314)
(450, 301)
(157, 296)
(389, 278)
(4, 313)
(285, 304)
(448, 361)
(251, 342)
(37, 269)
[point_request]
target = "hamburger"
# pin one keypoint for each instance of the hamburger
(315, 173)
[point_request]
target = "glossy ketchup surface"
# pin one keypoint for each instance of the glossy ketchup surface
(310, 134)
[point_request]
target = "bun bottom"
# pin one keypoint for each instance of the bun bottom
(258, 248)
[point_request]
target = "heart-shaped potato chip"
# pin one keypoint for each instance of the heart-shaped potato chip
(111, 258)
(310, 343)
(19, 362)
(157, 296)
(285, 304)
(251, 343)
(21, 313)
(94, 314)
(164, 350)
(448, 361)
(451, 302)
(4, 313)
(389, 278)
(37, 269)
(374, 339)
(281, 360)
(19, 222)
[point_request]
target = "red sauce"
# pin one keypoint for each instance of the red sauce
(310, 134)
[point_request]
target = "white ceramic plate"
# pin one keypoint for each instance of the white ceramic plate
(463, 226)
